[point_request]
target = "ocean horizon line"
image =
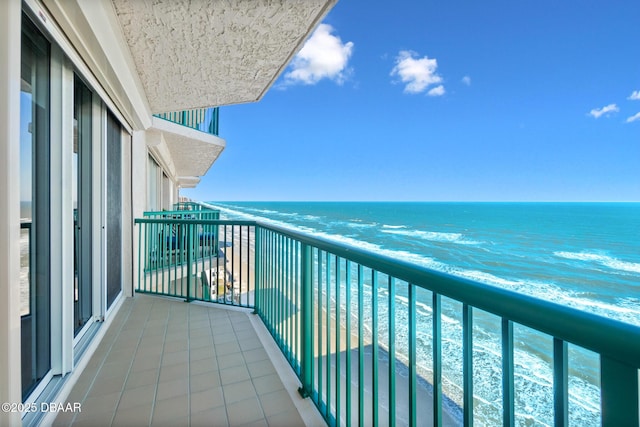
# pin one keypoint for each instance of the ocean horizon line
(430, 201)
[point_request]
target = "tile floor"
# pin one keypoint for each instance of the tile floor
(164, 362)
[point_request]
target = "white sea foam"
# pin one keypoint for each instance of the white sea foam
(433, 236)
(394, 227)
(360, 224)
(602, 259)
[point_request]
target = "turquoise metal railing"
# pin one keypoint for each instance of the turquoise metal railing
(370, 339)
(165, 243)
(189, 206)
(184, 254)
(203, 119)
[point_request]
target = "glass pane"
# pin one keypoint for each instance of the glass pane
(82, 204)
(114, 209)
(34, 206)
(152, 185)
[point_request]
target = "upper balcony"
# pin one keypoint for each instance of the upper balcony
(186, 142)
(203, 119)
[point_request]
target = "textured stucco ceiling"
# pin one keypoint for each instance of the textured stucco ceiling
(200, 53)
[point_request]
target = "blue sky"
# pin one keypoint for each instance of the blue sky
(446, 101)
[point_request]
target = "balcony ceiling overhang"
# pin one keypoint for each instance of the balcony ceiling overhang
(200, 53)
(191, 152)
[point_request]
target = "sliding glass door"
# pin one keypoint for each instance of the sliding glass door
(114, 209)
(82, 205)
(35, 205)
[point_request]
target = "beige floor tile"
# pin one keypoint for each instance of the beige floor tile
(227, 348)
(244, 411)
(197, 367)
(267, 384)
(142, 378)
(223, 337)
(200, 342)
(96, 420)
(201, 353)
(238, 391)
(143, 363)
(102, 387)
(63, 419)
(144, 395)
(246, 334)
(250, 344)
(207, 399)
(175, 346)
(133, 417)
(216, 417)
(276, 402)
(114, 370)
(230, 360)
(285, 419)
(204, 381)
(101, 403)
(175, 358)
(174, 372)
(261, 368)
(234, 375)
(260, 423)
(255, 355)
(170, 409)
(173, 388)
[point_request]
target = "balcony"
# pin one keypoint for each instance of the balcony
(203, 119)
(164, 362)
(186, 143)
(350, 325)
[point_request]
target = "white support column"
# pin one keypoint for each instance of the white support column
(99, 208)
(139, 173)
(10, 369)
(129, 249)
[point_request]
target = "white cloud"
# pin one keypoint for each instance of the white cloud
(598, 112)
(635, 95)
(417, 73)
(436, 91)
(323, 56)
(466, 80)
(634, 118)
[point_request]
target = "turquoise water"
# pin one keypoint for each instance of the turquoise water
(583, 255)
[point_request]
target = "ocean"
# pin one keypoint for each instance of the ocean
(582, 255)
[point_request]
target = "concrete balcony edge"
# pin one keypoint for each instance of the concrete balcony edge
(192, 152)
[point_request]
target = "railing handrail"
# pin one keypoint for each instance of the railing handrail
(179, 212)
(192, 221)
(617, 340)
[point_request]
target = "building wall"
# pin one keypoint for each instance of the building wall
(74, 51)
(65, 62)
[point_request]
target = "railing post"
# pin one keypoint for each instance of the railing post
(560, 383)
(508, 411)
(257, 265)
(306, 356)
(189, 260)
(619, 388)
